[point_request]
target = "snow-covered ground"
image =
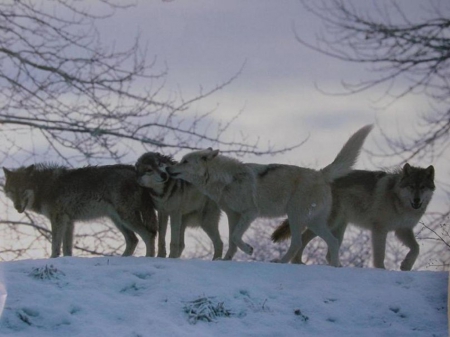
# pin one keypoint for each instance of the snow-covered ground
(137, 296)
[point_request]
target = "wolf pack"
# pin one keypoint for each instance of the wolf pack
(142, 200)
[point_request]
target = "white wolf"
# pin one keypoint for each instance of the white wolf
(248, 191)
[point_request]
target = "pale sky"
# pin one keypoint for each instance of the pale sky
(205, 42)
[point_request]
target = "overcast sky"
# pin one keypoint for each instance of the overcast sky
(205, 42)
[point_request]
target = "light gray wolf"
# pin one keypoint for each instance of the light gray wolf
(247, 191)
(66, 195)
(378, 201)
(180, 201)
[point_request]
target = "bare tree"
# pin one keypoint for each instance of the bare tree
(407, 55)
(65, 96)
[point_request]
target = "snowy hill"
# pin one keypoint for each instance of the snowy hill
(132, 297)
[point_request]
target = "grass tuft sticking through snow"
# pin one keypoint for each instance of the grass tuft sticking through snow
(46, 273)
(204, 309)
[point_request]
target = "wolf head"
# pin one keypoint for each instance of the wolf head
(19, 187)
(417, 185)
(151, 169)
(193, 165)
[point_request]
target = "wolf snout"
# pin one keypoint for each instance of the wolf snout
(170, 171)
(19, 208)
(416, 203)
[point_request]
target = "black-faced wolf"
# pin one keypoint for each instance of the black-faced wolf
(247, 191)
(378, 201)
(180, 200)
(66, 195)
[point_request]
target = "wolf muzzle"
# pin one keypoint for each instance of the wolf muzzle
(171, 173)
(20, 207)
(416, 203)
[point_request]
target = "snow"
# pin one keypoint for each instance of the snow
(138, 296)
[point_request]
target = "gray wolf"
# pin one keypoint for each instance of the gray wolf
(66, 195)
(247, 191)
(180, 201)
(378, 201)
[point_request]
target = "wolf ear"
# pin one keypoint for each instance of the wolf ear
(6, 172)
(166, 158)
(211, 154)
(406, 169)
(430, 172)
(30, 169)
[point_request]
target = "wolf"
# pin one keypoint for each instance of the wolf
(248, 191)
(381, 202)
(66, 195)
(180, 200)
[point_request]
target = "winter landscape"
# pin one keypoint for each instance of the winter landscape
(140, 297)
(264, 81)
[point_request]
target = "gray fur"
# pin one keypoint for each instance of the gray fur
(180, 201)
(248, 191)
(380, 202)
(67, 195)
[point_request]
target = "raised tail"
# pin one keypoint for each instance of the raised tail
(282, 232)
(348, 155)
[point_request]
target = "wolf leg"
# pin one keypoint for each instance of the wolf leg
(68, 239)
(139, 222)
(307, 236)
(181, 244)
(145, 224)
(379, 247)
(131, 239)
(233, 219)
(338, 232)
(210, 224)
(332, 243)
(163, 219)
(406, 236)
(296, 240)
(241, 227)
(59, 224)
(175, 230)
(214, 235)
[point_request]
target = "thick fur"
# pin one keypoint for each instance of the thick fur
(67, 195)
(378, 201)
(248, 191)
(180, 201)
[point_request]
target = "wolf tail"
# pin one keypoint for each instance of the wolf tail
(348, 155)
(282, 232)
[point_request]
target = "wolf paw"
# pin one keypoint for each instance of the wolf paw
(247, 249)
(250, 250)
(406, 265)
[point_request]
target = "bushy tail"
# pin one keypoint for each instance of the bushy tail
(347, 157)
(282, 232)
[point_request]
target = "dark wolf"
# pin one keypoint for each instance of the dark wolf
(378, 201)
(66, 195)
(180, 201)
